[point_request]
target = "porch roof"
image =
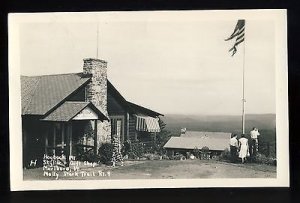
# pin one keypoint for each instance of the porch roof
(69, 109)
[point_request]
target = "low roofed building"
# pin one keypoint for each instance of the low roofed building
(188, 141)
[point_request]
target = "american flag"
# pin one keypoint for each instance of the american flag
(238, 34)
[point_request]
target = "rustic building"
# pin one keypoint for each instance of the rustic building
(68, 113)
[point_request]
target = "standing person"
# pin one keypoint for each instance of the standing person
(254, 140)
(116, 156)
(234, 144)
(244, 148)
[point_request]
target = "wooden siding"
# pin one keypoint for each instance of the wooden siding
(132, 131)
(114, 107)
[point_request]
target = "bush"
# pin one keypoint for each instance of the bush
(89, 156)
(263, 159)
(152, 156)
(196, 152)
(126, 147)
(178, 157)
(137, 149)
(132, 155)
(164, 156)
(105, 152)
(225, 155)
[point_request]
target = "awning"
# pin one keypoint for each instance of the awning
(147, 124)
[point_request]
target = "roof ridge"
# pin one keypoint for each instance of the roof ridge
(50, 74)
(78, 101)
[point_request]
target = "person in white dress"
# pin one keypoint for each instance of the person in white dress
(244, 148)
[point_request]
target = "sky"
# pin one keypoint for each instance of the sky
(171, 66)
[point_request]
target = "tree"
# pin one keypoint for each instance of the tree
(163, 136)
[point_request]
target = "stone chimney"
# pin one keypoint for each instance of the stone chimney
(96, 92)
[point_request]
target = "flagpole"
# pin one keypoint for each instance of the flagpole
(243, 100)
(97, 38)
(239, 35)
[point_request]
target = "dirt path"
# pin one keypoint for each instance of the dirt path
(195, 169)
(169, 169)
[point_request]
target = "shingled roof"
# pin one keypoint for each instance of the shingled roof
(69, 110)
(218, 144)
(129, 106)
(137, 109)
(40, 94)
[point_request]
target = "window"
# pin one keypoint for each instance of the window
(119, 125)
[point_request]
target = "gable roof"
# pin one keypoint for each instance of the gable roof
(69, 110)
(137, 109)
(40, 94)
(218, 144)
(129, 106)
(117, 95)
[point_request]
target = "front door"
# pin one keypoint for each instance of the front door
(117, 127)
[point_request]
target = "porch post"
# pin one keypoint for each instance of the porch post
(70, 138)
(68, 141)
(95, 137)
(54, 136)
(63, 137)
(127, 126)
(46, 140)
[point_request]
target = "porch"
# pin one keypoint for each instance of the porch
(72, 129)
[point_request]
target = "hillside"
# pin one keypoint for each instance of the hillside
(218, 123)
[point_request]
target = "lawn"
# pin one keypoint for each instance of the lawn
(160, 169)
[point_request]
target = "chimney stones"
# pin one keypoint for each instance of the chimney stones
(96, 92)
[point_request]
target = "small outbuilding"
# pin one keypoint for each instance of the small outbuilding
(189, 141)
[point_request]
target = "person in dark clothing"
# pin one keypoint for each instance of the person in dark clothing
(234, 144)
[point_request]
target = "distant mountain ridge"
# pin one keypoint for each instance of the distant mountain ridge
(219, 123)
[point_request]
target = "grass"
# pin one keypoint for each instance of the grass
(164, 169)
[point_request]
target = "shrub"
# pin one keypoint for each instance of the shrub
(263, 159)
(89, 155)
(178, 157)
(126, 147)
(105, 152)
(164, 156)
(196, 152)
(137, 149)
(152, 156)
(225, 155)
(132, 155)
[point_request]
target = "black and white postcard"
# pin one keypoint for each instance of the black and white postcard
(148, 99)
